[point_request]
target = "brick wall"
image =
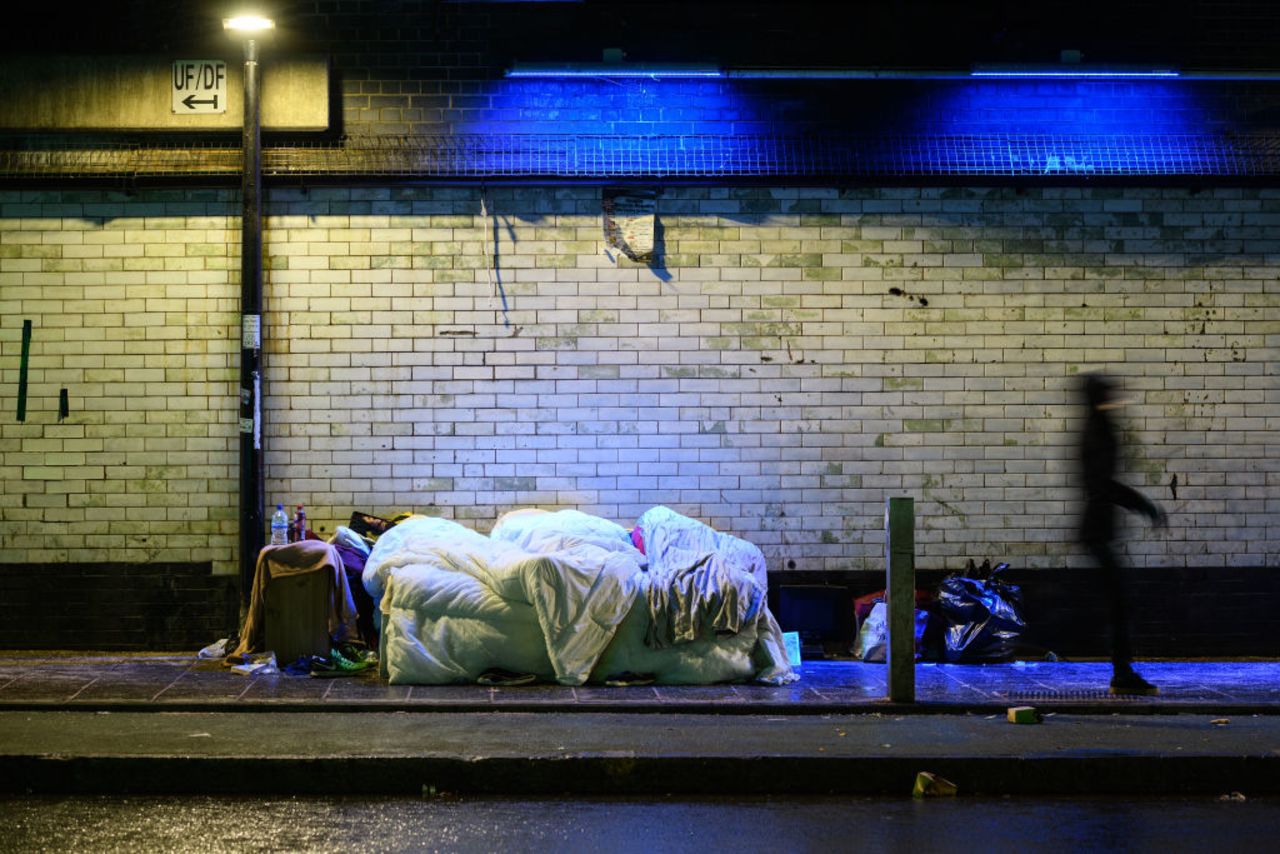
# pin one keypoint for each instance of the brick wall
(796, 356)
(418, 68)
(154, 606)
(133, 313)
(1174, 611)
(419, 91)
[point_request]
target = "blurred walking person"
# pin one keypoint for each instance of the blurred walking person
(1103, 493)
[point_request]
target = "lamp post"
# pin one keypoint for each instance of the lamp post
(249, 27)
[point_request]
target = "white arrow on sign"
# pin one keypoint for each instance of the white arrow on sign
(199, 86)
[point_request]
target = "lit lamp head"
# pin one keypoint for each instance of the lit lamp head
(249, 29)
(248, 26)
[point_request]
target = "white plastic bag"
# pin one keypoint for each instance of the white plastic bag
(217, 649)
(873, 637)
(259, 664)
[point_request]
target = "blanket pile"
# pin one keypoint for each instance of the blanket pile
(567, 596)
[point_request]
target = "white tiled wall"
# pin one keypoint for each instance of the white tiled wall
(799, 355)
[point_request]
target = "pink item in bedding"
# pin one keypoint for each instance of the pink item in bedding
(637, 539)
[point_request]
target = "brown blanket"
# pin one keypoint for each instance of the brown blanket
(295, 559)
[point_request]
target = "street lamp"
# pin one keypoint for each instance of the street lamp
(249, 28)
(251, 24)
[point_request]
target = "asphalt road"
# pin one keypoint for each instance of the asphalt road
(228, 824)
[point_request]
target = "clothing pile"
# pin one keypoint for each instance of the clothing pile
(351, 626)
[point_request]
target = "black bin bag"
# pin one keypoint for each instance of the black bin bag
(984, 619)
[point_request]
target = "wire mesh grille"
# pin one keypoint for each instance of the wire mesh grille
(570, 156)
(1090, 694)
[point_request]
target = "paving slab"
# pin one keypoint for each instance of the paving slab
(168, 682)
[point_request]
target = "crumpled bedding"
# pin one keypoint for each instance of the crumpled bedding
(696, 578)
(669, 538)
(566, 596)
(702, 594)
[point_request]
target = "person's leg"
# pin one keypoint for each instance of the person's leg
(1124, 680)
(1121, 650)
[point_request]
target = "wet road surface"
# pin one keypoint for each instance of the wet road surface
(443, 823)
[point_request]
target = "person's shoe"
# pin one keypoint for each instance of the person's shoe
(1130, 683)
(627, 679)
(498, 676)
(336, 664)
(356, 653)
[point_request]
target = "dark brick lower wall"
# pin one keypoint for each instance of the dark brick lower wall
(1177, 613)
(164, 606)
(1213, 612)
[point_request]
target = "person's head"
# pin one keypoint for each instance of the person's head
(1101, 393)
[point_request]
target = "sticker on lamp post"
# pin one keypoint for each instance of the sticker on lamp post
(250, 331)
(199, 86)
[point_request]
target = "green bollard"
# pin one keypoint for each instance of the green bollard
(900, 593)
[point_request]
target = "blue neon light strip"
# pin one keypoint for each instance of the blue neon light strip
(1072, 74)
(607, 70)
(602, 69)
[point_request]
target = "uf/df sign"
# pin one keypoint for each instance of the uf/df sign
(199, 86)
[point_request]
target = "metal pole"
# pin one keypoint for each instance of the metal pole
(900, 591)
(251, 489)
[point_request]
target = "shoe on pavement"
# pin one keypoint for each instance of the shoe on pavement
(498, 676)
(1131, 683)
(336, 664)
(628, 679)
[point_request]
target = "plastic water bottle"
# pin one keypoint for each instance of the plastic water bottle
(279, 527)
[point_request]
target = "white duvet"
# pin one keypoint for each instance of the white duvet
(567, 597)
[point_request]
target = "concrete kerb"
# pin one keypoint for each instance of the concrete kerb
(631, 754)
(633, 776)
(1116, 706)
